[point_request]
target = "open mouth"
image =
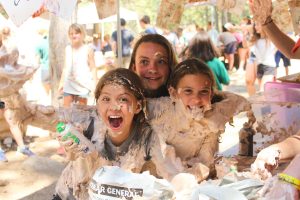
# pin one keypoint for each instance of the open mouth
(196, 112)
(115, 121)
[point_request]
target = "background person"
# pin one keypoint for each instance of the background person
(262, 11)
(79, 70)
(145, 24)
(230, 44)
(127, 39)
(42, 55)
(202, 47)
(286, 62)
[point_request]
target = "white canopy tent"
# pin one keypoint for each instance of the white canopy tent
(87, 14)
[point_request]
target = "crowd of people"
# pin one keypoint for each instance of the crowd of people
(192, 87)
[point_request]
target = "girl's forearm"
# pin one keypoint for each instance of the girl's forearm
(288, 148)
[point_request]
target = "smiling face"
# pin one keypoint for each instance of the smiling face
(76, 37)
(151, 65)
(194, 90)
(117, 107)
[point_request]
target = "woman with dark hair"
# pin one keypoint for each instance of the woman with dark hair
(153, 59)
(202, 47)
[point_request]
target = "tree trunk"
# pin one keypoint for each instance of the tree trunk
(57, 42)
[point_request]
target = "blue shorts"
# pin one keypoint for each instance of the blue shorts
(278, 56)
(230, 48)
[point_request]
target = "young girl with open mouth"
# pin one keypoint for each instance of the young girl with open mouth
(126, 138)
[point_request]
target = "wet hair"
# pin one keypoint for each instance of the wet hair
(162, 41)
(77, 28)
(194, 66)
(123, 77)
(145, 19)
(202, 47)
(142, 130)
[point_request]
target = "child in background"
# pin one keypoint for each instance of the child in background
(79, 70)
(201, 47)
(264, 51)
(126, 139)
(230, 44)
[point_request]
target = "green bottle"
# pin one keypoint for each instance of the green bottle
(61, 127)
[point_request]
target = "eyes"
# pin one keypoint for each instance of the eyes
(145, 62)
(190, 91)
(107, 99)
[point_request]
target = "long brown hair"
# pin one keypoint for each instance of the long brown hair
(202, 47)
(157, 39)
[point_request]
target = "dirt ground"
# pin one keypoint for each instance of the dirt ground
(34, 178)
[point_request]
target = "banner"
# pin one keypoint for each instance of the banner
(106, 8)
(169, 14)
(61, 8)
(20, 10)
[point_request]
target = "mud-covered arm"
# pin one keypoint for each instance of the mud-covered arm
(203, 163)
(169, 166)
(76, 176)
(164, 158)
(45, 117)
(223, 111)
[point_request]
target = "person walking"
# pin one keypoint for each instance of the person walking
(145, 24)
(127, 39)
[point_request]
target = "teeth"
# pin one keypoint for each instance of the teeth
(115, 117)
(152, 78)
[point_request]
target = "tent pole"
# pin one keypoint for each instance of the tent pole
(102, 32)
(119, 40)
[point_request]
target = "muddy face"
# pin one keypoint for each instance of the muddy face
(117, 107)
(194, 91)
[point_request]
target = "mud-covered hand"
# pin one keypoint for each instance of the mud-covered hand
(73, 149)
(261, 10)
(266, 160)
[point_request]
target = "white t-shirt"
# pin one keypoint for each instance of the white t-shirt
(264, 50)
(78, 76)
